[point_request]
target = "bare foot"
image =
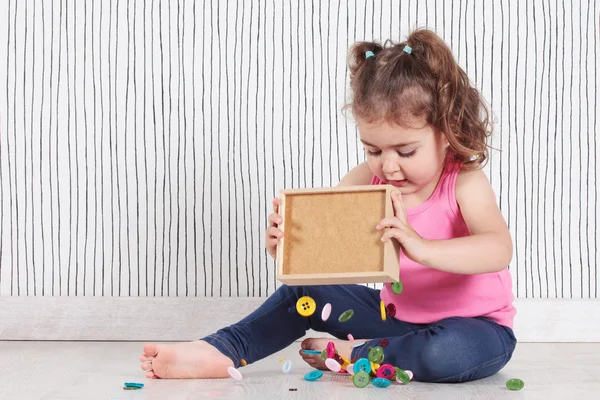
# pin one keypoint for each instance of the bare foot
(344, 348)
(188, 360)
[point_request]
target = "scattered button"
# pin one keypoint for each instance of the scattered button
(515, 384)
(333, 365)
(382, 307)
(362, 364)
(326, 312)
(292, 389)
(324, 355)
(282, 360)
(234, 373)
(350, 369)
(374, 368)
(131, 388)
(383, 342)
(376, 354)
(346, 315)
(386, 371)
(390, 309)
(243, 362)
(313, 375)
(306, 306)
(402, 376)
(350, 337)
(381, 382)
(361, 379)
(311, 352)
(397, 287)
(330, 350)
(134, 384)
(287, 366)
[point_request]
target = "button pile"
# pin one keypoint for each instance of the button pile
(366, 370)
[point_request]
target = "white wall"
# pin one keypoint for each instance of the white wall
(141, 142)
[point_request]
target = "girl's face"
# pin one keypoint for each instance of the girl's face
(410, 158)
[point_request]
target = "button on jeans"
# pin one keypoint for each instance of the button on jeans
(451, 350)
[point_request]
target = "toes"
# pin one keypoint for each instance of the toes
(145, 358)
(151, 375)
(151, 349)
(146, 366)
(305, 345)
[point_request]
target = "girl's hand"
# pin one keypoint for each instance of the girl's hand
(273, 233)
(413, 245)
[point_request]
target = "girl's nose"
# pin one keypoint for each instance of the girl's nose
(390, 166)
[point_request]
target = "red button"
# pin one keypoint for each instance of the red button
(383, 342)
(390, 310)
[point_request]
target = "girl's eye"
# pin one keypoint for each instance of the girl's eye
(378, 152)
(409, 154)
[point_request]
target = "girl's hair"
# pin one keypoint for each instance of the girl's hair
(398, 84)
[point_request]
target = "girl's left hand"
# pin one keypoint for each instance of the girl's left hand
(413, 245)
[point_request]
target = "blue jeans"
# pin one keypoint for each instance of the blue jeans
(450, 350)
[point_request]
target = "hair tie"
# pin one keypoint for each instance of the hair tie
(407, 49)
(369, 54)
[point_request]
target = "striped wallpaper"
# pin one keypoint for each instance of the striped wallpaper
(141, 142)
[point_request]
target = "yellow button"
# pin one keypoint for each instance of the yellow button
(382, 306)
(306, 306)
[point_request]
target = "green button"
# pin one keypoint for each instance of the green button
(376, 354)
(361, 379)
(346, 315)
(324, 355)
(397, 287)
(131, 388)
(515, 384)
(403, 376)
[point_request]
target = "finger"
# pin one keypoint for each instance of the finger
(275, 219)
(400, 210)
(389, 223)
(398, 234)
(276, 205)
(273, 232)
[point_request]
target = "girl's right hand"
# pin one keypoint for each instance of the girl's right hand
(273, 233)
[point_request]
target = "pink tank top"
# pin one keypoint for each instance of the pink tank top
(430, 295)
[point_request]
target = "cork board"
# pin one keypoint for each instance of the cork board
(330, 236)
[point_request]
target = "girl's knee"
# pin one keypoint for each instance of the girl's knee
(452, 356)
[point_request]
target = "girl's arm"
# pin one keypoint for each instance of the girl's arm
(357, 176)
(489, 247)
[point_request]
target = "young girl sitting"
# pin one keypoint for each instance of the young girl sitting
(424, 129)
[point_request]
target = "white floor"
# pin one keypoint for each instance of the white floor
(97, 370)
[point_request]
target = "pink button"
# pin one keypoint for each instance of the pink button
(330, 350)
(350, 337)
(234, 373)
(333, 365)
(326, 312)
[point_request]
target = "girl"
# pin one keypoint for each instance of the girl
(424, 130)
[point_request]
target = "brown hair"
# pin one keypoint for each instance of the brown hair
(397, 86)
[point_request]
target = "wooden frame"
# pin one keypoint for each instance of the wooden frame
(330, 236)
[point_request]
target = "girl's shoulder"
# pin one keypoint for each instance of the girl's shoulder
(357, 176)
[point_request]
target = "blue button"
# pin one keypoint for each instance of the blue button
(311, 352)
(313, 375)
(381, 382)
(362, 365)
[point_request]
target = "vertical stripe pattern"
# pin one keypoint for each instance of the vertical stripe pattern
(141, 143)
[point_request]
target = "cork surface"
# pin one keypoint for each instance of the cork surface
(333, 232)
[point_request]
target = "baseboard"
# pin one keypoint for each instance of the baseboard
(180, 318)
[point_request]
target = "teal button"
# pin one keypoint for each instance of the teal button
(313, 375)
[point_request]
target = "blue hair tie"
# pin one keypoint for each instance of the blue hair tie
(369, 54)
(407, 49)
